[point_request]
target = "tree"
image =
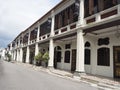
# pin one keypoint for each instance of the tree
(46, 58)
(38, 58)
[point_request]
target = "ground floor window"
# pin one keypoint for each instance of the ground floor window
(67, 57)
(87, 56)
(103, 56)
(58, 56)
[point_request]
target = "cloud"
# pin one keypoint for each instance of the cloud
(17, 15)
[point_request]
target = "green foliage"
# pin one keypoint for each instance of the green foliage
(8, 56)
(46, 57)
(38, 57)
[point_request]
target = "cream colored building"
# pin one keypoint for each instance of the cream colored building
(80, 35)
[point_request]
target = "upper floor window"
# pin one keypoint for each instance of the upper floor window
(94, 6)
(67, 16)
(45, 27)
(25, 38)
(33, 34)
(21, 40)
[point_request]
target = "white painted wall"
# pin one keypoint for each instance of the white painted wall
(62, 64)
(94, 68)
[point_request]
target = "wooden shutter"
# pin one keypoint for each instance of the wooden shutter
(101, 5)
(91, 6)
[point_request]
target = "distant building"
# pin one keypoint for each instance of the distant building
(2, 53)
(80, 35)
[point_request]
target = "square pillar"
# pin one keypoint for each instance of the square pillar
(51, 53)
(81, 13)
(27, 54)
(53, 23)
(80, 52)
(17, 55)
(14, 54)
(51, 44)
(36, 49)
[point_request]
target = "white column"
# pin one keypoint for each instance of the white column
(53, 23)
(38, 32)
(17, 55)
(14, 54)
(21, 54)
(51, 53)
(36, 49)
(51, 44)
(27, 54)
(80, 52)
(81, 13)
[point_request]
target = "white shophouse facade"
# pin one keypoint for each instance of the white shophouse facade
(82, 36)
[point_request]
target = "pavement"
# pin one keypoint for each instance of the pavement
(94, 80)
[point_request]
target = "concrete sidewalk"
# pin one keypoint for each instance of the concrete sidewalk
(109, 83)
(94, 79)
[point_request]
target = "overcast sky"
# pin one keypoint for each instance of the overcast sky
(17, 15)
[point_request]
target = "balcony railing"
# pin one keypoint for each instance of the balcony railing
(32, 41)
(44, 37)
(103, 15)
(65, 29)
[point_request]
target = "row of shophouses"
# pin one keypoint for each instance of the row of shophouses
(80, 35)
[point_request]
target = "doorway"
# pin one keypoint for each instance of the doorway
(57, 56)
(73, 63)
(116, 50)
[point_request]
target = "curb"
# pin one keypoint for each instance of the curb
(92, 82)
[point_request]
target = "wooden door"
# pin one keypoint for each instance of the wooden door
(116, 62)
(55, 59)
(73, 62)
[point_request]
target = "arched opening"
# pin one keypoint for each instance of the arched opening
(57, 55)
(87, 53)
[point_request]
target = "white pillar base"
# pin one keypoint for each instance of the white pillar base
(21, 54)
(36, 49)
(27, 54)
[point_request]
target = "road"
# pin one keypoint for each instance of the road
(16, 77)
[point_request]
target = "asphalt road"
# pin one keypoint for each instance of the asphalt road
(16, 77)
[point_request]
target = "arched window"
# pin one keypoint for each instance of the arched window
(87, 44)
(87, 54)
(103, 56)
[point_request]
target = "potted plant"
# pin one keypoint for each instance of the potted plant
(8, 56)
(46, 58)
(38, 59)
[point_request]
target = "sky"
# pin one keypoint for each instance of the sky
(17, 15)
